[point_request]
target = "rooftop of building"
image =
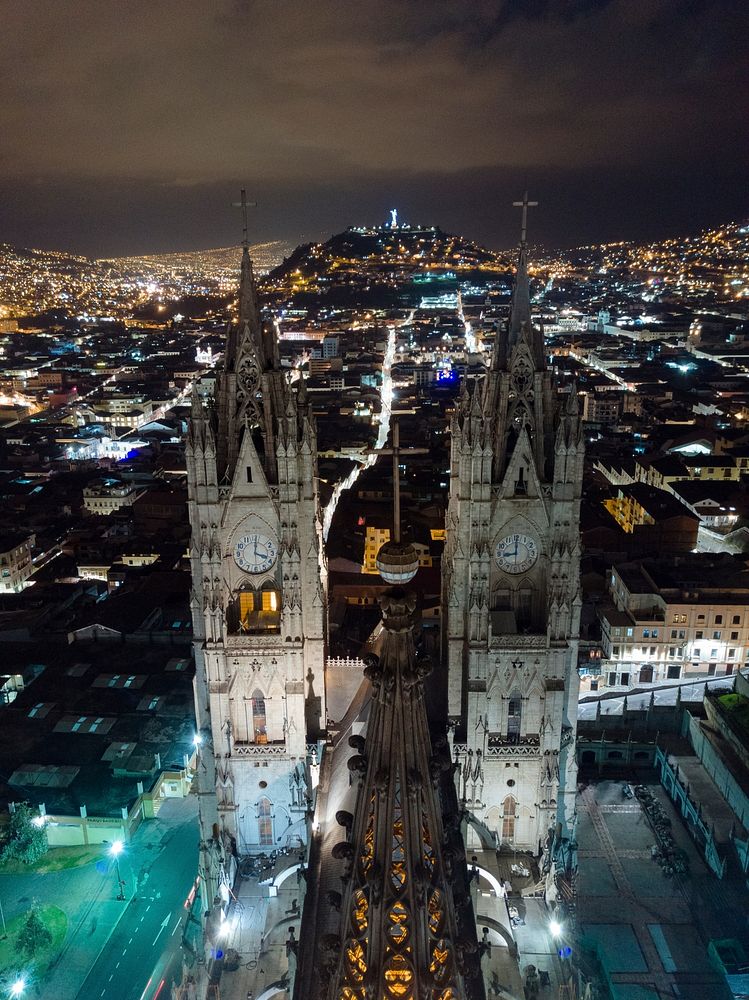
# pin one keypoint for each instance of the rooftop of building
(76, 710)
(710, 578)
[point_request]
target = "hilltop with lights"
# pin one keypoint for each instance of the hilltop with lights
(386, 266)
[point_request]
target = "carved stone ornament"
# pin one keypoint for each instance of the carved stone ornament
(522, 374)
(248, 386)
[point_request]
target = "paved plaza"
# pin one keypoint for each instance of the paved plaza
(649, 933)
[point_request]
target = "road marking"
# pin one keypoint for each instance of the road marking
(124, 951)
(103, 992)
(179, 918)
(148, 908)
(162, 928)
(130, 941)
(110, 978)
(142, 919)
(117, 966)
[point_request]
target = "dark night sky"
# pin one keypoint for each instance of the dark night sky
(128, 127)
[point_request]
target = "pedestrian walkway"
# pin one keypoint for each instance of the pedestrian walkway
(261, 920)
(88, 896)
(641, 926)
(519, 929)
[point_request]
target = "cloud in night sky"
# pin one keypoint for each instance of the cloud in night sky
(130, 126)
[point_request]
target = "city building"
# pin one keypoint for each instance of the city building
(105, 496)
(16, 564)
(657, 519)
(675, 617)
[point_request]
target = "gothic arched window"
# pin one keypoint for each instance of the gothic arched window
(259, 730)
(509, 807)
(265, 822)
(255, 611)
(514, 716)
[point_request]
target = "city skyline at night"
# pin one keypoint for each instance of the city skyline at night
(131, 133)
(374, 500)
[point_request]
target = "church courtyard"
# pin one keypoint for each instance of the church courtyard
(648, 933)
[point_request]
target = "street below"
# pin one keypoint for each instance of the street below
(143, 950)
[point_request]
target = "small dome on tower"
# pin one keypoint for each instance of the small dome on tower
(397, 562)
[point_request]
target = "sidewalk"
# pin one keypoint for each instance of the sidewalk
(514, 948)
(258, 925)
(538, 946)
(88, 897)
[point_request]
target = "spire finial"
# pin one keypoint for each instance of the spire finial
(244, 205)
(397, 562)
(525, 205)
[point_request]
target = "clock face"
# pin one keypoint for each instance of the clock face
(516, 553)
(255, 552)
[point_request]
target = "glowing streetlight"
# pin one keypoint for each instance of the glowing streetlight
(556, 928)
(115, 850)
(18, 987)
(197, 739)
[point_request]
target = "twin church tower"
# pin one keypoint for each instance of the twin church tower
(510, 608)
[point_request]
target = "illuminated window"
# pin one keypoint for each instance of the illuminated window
(260, 733)
(508, 818)
(246, 606)
(265, 822)
(356, 961)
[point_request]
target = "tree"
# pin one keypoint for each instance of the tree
(27, 839)
(34, 936)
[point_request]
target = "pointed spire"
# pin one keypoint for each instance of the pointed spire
(196, 403)
(520, 315)
(249, 312)
(399, 918)
(572, 409)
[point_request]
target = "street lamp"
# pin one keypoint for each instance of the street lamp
(556, 928)
(18, 987)
(115, 850)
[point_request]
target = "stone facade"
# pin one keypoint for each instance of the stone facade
(259, 596)
(511, 594)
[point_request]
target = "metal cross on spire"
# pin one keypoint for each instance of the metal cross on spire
(525, 205)
(396, 451)
(244, 205)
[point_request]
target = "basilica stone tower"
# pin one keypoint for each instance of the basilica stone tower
(258, 597)
(511, 600)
